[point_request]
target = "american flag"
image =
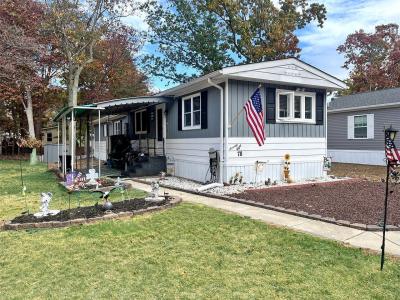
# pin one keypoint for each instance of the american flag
(392, 154)
(255, 116)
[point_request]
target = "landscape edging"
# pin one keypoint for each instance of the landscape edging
(365, 227)
(174, 200)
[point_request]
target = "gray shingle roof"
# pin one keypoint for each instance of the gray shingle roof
(385, 96)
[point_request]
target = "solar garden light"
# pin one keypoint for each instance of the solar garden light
(392, 161)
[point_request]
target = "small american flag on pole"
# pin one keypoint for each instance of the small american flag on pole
(392, 154)
(255, 116)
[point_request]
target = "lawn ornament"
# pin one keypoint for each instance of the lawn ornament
(44, 206)
(92, 176)
(286, 168)
(154, 194)
(107, 205)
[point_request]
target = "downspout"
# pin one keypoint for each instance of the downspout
(221, 130)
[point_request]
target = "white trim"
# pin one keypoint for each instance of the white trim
(364, 157)
(369, 107)
(291, 118)
(190, 97)
(141, 121)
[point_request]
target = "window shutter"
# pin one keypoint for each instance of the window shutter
(319, 105)
(370, 126)
(350, 127)
(204, 109)
(179, 114)
(270, 105)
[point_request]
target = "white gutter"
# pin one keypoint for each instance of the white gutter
(226, 128)
(221, 131)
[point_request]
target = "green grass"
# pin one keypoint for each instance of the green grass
(37, 179)
(187, 252)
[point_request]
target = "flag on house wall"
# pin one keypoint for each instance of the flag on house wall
(255, 116)
(392, 154)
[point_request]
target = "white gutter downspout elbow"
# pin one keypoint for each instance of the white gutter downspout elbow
(221, 130)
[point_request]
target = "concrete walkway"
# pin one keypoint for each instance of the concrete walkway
(354, 237)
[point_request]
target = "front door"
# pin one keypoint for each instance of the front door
(160, 129)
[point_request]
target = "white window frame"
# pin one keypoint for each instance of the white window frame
(291, 118)
(141, 122)
(191, 127)
(117, 128)
(354, 127)
(105, 130)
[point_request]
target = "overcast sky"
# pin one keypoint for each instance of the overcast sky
(319, 44)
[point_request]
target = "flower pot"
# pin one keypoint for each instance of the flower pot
(286, 174)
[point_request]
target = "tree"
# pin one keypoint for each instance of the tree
(372, 58)
(78, 25)
(205, 35)
(20, 48)
(258, 30)
(185, 34)
(113, 73)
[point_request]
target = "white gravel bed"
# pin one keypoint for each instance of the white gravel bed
(186, 184)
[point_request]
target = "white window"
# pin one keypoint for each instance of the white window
(295, 107)
(360, 126)
(105, 129)
(141, 122)
(191, 112)
(117, 127)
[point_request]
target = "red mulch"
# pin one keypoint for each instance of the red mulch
(357, 201)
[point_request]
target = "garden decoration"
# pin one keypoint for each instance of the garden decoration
(44, 206)
(392, 161)
(154, 194)
(92, 176)
(327, 163)
(286, 168)
(107, 205)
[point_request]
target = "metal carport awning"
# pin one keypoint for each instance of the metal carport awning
(117, 106)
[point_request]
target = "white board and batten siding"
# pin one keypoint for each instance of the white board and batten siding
(307, 155)
(190, 157)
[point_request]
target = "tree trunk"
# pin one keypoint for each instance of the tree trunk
(31, 123)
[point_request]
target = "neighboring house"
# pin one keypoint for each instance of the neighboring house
(183, 123)
(356, 123)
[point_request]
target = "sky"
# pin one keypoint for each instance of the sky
(319, 44)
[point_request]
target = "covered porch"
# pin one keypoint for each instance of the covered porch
(133, 134)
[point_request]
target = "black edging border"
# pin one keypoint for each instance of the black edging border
(4, 226)
(303, 214)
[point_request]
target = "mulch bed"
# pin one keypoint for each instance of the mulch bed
(357, 201)
(88, 212)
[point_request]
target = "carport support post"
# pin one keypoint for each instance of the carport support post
(99, 145)
(385, 216)
(87, 144)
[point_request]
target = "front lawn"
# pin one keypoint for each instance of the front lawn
(187, 252)
(37, 179)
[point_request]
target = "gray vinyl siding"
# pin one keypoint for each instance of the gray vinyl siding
(213, 111)
(239, 93)
(337, 129)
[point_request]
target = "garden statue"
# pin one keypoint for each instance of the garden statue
(286, 169)
(154, 194)
(92, 176)
(44, 206)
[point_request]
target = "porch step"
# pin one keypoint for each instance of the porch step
(152, 167)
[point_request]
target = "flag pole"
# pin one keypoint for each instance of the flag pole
(240, 111)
